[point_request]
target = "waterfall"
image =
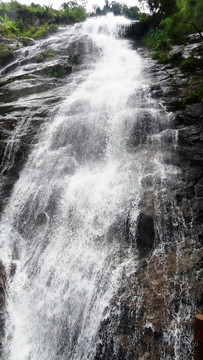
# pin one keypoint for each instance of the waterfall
(70, 230)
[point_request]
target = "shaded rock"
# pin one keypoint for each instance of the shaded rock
(145, 234)
(198, 189)
(194, 111)
(2, 302)
(26, 41)
(193, 38)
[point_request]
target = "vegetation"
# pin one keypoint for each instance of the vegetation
(169, 22)
(34, 21)
(117, 8)
(166, 24)
(16, 78)
(37, 21)
(6, 54)
(48, 54)
(57, 71)
(195, 96)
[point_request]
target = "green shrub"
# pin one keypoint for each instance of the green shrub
(195, 96)
(161, 56)
(157, 39)
(176, 58)
(34, 20)
(163, 44)
(175, 28)
(43, 31)
(188, 65)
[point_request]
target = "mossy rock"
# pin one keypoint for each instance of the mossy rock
(75, 59)
(189, 65)
(58, 70)
(16, 78)
(26, 41)
(6, 55)
(44, 55)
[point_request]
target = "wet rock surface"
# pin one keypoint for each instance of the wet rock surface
(166, 286)
(30, 89)
(2, 302)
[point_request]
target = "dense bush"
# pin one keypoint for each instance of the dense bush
(36, 21)
(188, 64)
(172, 20)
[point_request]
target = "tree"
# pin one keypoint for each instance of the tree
(116, 8)
(192, 12)
(163, 7)
(70, 5)
(132, 12)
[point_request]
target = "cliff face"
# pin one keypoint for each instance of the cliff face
(151, 315)
(2, 302)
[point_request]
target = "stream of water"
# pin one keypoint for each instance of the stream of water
(63, 229)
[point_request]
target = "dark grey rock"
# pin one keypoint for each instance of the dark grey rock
(145, 234)
(194, 110)
(2, 302)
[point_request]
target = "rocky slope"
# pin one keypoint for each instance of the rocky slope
(157, 303)
(166, 286)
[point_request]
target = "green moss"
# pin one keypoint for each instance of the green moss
(6, 55)
(75, 59)
(56, 71)
(12, 79)
(196, 96)
(44, 55)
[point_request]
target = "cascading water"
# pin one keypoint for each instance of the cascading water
(69, 229)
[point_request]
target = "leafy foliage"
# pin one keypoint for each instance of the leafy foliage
(37, 21)
(164, 7)
(195, 96)
(169, 23)
(118, 9)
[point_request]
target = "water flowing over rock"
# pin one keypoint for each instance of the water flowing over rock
(101, 193)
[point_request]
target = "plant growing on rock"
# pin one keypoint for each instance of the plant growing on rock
(6, 55)
(44, 55)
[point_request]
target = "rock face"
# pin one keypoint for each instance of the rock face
(146, 316)
(2, 302)
(26, 78)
